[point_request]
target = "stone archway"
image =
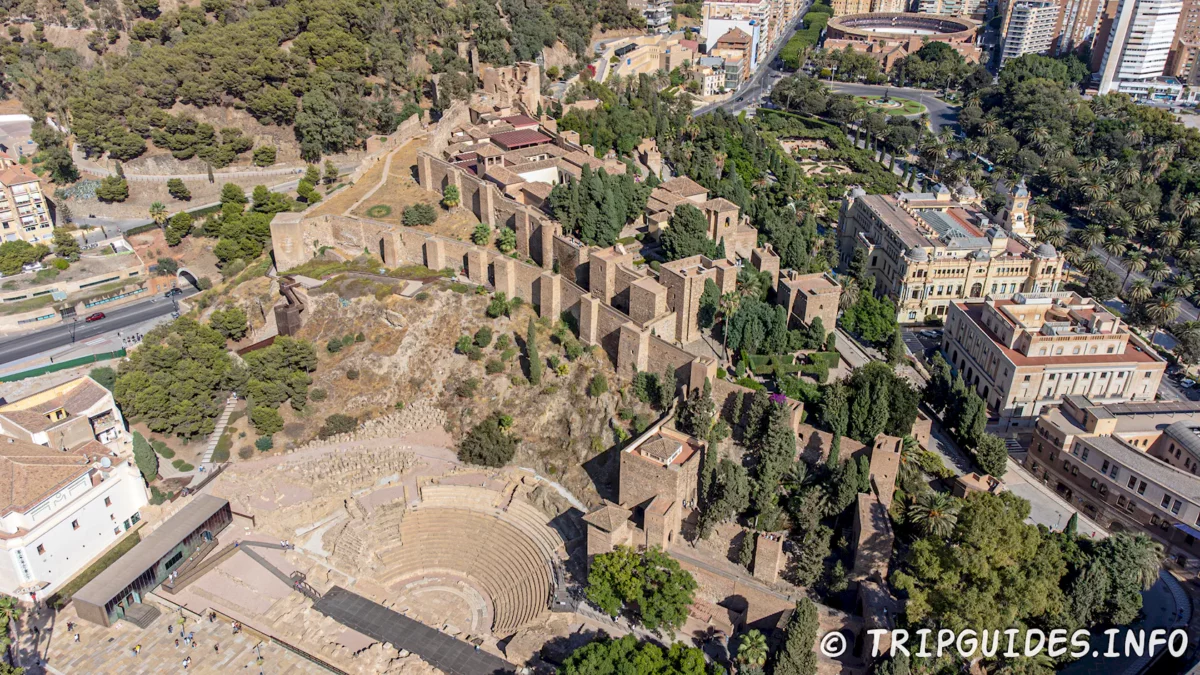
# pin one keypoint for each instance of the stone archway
(187, 276)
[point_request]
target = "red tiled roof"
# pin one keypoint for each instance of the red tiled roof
(518, 121)
(15, 175)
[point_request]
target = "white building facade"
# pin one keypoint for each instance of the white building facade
(64, 510)
(1030, 29)
(1138, 46)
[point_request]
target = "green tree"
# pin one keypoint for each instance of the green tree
(695, 416)
(266, 420)
(687, 234)
(233, 194)
(482, 234)
(487, 443)
(104, 376)
(752, 651)
(598, 385)
(112, 189)
(312, 174)
(331, 172)
(335, 425)
(58, 161)
(1072, 528)
(450, 196)
(934, 513)
(797, 657)
(728, 495)
(895, 350)
(992, 455)
(419, 214)
(746, 549)
(531, 352)
(177, 189)
(145, 457)
(230, 322)
(158, 213)
(264, 155)
(651, 585)
(66, 246)
(710, 301)
(775, 453)
(628, 656)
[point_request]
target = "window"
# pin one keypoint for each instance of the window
(1026, 378)
(1087, 376)
(1074, 471)
(1095, 483)
(1120, 500)
(1070, 376)
(117, 530)
(74, 524)
(1166, 501)
(1112, 473)
(1053, 376)
(1142, 488)
(1147, 375)
(1085, 454)
(1104, 376)
(108, 501)
(1176, 506)
(1132, 482)
(41, 550)
(1104, 467)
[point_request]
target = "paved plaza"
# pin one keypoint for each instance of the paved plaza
(110, 650)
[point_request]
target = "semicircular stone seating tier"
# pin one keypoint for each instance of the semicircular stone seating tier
(502, 544)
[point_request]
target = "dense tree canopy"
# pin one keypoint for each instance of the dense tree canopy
(650, 583)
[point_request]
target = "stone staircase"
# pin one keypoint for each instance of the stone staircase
(219, 429)
(141, 615)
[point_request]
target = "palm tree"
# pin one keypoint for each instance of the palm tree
(1182, 285)
(1188, 207)
(1139, 206)
(10, 612)
(1114, 247)
(1149, 562)
(158, 213)
(1090, 263)
(934, 513)
(1128, 174)
(1188, 250)
(1157, 270)
(849, 295)
(753, 649)
(1162, 310)
(728, 305)
(1139, 290)
(1169, 234)
(1092, 235)
(1135, 261)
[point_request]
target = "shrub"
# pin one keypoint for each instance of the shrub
(459, 287)
(467, 388)
(348, 340)
(352, 374)
(181, 465)
(494, 366)
(598, 385)
(481, 235)
(164, 451)
(178, 190)
(334, 346)
(264, 443)
(508, 354)
(474, 353)
(221, 455)
(360, 337)
(501, 305)
(246, 452)
(60, 264)
(105, 376)
(318, 395)
(488, 443)
(518, 380)
(573, 349)
(421, 297)
(205, 283)
(483, 336)
(502, 342)
(463, 344)
(419, 214)
(144, 457)
(266, 419)
(264, 155)
(337, 423)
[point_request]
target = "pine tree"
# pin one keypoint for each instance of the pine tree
(667, 387)
(775, 453)
(756, 417)
(531, 351)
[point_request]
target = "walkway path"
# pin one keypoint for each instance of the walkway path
(215, 437)
(383, 178)
(372, 619)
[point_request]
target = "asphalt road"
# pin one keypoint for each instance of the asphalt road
(752, 89)
(60, 335)
(941, 114)
(1187, 310)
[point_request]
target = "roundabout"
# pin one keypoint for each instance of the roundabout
(891, 105)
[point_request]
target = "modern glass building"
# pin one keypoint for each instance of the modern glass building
(105, 599)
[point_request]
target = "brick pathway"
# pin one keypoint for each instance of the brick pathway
(109, 650)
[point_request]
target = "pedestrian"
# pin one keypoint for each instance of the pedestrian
(176, 643)
(217, 647)
(170, 629)
(77, 637)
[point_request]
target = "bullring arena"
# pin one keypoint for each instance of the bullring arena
(894, 26)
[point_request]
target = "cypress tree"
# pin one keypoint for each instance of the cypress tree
(1072, 526)
(531, 350)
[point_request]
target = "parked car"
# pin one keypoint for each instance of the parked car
(931, 333)
(173, 291)
(95, 317)
(1188, 383)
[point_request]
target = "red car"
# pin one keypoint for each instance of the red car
(95, 317)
